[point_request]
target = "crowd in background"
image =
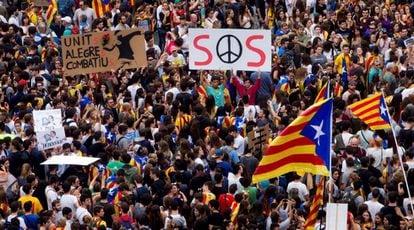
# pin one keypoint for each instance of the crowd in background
(172, 141)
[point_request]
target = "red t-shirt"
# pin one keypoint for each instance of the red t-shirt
(225, 201)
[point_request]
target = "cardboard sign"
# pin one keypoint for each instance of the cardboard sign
(46, 120)
(51, 138)
(224, 49)
(258, 137)
(41, 3)
(337, 216)
(103, 51)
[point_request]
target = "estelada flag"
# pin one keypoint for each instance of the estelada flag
(303, 146)
(323, 93)
(373, 111)
(316, 204)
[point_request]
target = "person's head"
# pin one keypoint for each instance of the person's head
(207, 186)
(27, 206)
(67, 213)
(345, 49)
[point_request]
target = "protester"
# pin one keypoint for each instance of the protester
(175, 144)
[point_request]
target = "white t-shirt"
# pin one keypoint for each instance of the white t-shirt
(303, 191)
(81, 212)
(239, 145)
(51, 195)
(70, 201)
(374, 207)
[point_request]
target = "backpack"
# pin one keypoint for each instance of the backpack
(357, 163)
(126, 224)
(349, 199)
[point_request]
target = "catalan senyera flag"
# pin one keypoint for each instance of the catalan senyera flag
(302, 146)
(373, 111)
(323, 93)
(131, 2)
(316, 204)
(100, 7)
(51, 11)
(338, 90)
(235, 207)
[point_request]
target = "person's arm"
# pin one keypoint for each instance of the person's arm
(257, 83)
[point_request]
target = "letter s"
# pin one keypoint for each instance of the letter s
(256, 50)
(204, 49)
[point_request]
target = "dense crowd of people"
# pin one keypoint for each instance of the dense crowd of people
(172, 142)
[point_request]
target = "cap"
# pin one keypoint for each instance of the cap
(22, 82)
(67, 19)
(218, 153)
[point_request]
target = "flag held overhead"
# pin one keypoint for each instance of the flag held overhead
(303, 146)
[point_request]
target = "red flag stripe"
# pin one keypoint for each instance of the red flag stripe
(300, 158)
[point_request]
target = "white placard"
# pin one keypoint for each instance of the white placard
(51, 138)
(69, 160)
(225, 49)
(336, 216)
(46, 120)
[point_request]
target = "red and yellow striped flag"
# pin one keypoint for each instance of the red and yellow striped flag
(302, 146)
(323, 93)
(235, 207)
(316, 204)
(100, 7)
(373, 111)
(51, 11)
(338, 90)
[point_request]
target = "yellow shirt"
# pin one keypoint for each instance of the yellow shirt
(37, 206)
(338, 63)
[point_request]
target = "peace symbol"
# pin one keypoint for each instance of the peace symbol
(229, 48)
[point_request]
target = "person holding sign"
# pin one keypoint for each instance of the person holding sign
(247, 89)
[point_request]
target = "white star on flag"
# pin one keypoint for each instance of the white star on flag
(383, 109)
(319, 131)
(110, 136)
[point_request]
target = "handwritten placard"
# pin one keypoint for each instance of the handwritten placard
(103, 51)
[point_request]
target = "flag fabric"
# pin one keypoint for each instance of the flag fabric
(316, 204)
(202, 91)
(131, 2)
(283, 84)
(51, 11)
(136, 162)
(309, 79)
(323, 93)
(338, 90)
(100, 7)
(235, 207)
(373, 111)
(110, 181)
(302, 146)
(344, 75)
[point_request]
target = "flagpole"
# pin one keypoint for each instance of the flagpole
(399, 157)
(330, 149)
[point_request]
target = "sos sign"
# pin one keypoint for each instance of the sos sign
(223, 49)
